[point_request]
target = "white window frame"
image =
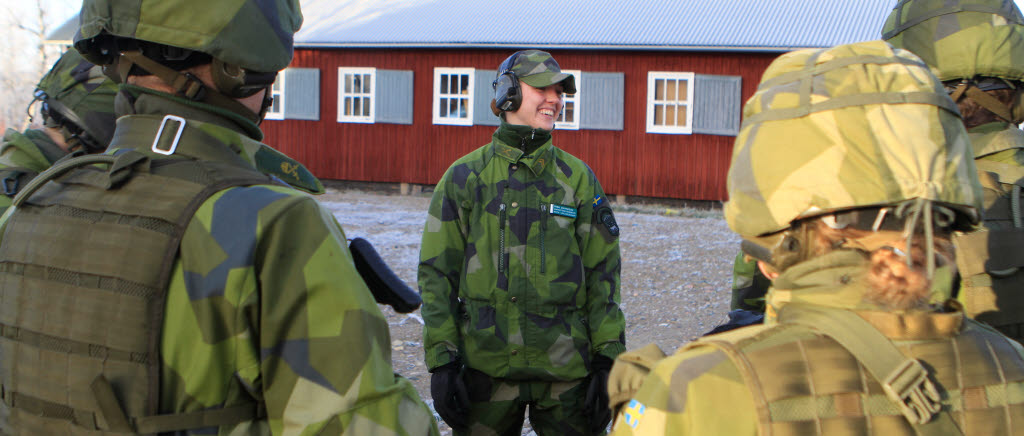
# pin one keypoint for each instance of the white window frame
(652, 78)
(575, 99)
(468, 96)
(277, 91)
(342, 72)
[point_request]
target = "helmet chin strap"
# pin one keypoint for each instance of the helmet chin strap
(1001, 110)
(184, 84)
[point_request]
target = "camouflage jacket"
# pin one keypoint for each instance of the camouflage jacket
(796, 381)
(264, 301)
(22, 156)
(519, 275)
(992, 141)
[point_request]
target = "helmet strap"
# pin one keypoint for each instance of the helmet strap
(992, 104)
(184, 84)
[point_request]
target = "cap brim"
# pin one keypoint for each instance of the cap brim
(541, 80)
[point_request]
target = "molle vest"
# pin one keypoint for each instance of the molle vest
(991, 260)
(84, 267)
(804, 383)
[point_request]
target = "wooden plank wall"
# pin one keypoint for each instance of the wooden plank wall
(629, 162)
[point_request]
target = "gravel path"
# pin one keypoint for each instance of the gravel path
(676, 271)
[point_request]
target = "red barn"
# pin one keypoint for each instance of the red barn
(394, 91)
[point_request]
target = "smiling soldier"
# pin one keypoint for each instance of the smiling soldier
(519, 271)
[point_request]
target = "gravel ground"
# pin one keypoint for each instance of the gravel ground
(676, 270)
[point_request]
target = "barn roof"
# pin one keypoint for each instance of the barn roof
(730, 25)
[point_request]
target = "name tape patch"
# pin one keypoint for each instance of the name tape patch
(566, 211)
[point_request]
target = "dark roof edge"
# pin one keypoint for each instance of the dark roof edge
(313, 45)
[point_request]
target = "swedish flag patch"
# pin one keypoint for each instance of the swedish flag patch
(633, 412)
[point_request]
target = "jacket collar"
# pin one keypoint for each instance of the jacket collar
(203, 135)
(839, 280)
(509, 141)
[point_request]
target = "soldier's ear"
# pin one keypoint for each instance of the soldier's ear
(767, 270)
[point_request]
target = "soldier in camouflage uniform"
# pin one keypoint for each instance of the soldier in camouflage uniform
(168, 286)
(861, 335)
(519, 272)
(78, 114)
(976, 47)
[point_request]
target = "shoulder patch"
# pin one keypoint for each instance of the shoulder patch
(605, 216)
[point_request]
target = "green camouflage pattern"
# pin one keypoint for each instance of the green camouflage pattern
(29, 152)
(996, 137)
(497, 406)
(539, 69)
(796, 382)
(849, 139)
(749, 285)
(961, 38)
(257, 35)
(520, 279)
(78, 90)
(264, 302)
(990, 287)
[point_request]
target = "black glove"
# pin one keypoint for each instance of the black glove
(451, 399)
(596, 403)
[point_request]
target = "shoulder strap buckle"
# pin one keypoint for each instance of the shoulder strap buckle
(177, 135)
(909, 386)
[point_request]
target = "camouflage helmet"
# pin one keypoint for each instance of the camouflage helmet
(961, 39)
(854, 126)
(254, 35)
(78, 99)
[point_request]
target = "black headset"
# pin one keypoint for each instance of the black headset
(507, 94)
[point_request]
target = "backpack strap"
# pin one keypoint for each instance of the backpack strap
(904, 380)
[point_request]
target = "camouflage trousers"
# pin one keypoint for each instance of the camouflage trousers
(499, 406)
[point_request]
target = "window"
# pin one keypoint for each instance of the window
(276, 110)
(296, 93)
(668, 102)
(355, 95)
(570, 116)
(453, 93)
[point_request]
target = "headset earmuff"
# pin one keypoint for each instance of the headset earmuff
(507, 93)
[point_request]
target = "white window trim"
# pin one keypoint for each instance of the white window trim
(278, 97)
(575, 125)
(342, 118)
(651, 127)
(436, 96)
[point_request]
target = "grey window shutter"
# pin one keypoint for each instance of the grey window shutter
(716, 104)
(393, 93)
(302, 94)
(482, 96)
(601, 103)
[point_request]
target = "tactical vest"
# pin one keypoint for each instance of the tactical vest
(804, 383)
(84, 268)
(991, 260)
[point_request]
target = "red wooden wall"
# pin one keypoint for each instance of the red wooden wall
(629, 162)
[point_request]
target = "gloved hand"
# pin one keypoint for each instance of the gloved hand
(451, 399)
(596, 402)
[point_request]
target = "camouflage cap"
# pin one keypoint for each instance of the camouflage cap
(961, 38)
(254, 34)
(848, 127)
(81, 95)
(538, 69)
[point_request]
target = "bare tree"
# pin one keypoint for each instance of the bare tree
(21, 68)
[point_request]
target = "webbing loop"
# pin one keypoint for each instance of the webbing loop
(59, 169)
(10, 185)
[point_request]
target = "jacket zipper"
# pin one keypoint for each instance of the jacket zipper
(501, 238)
(543, 227)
